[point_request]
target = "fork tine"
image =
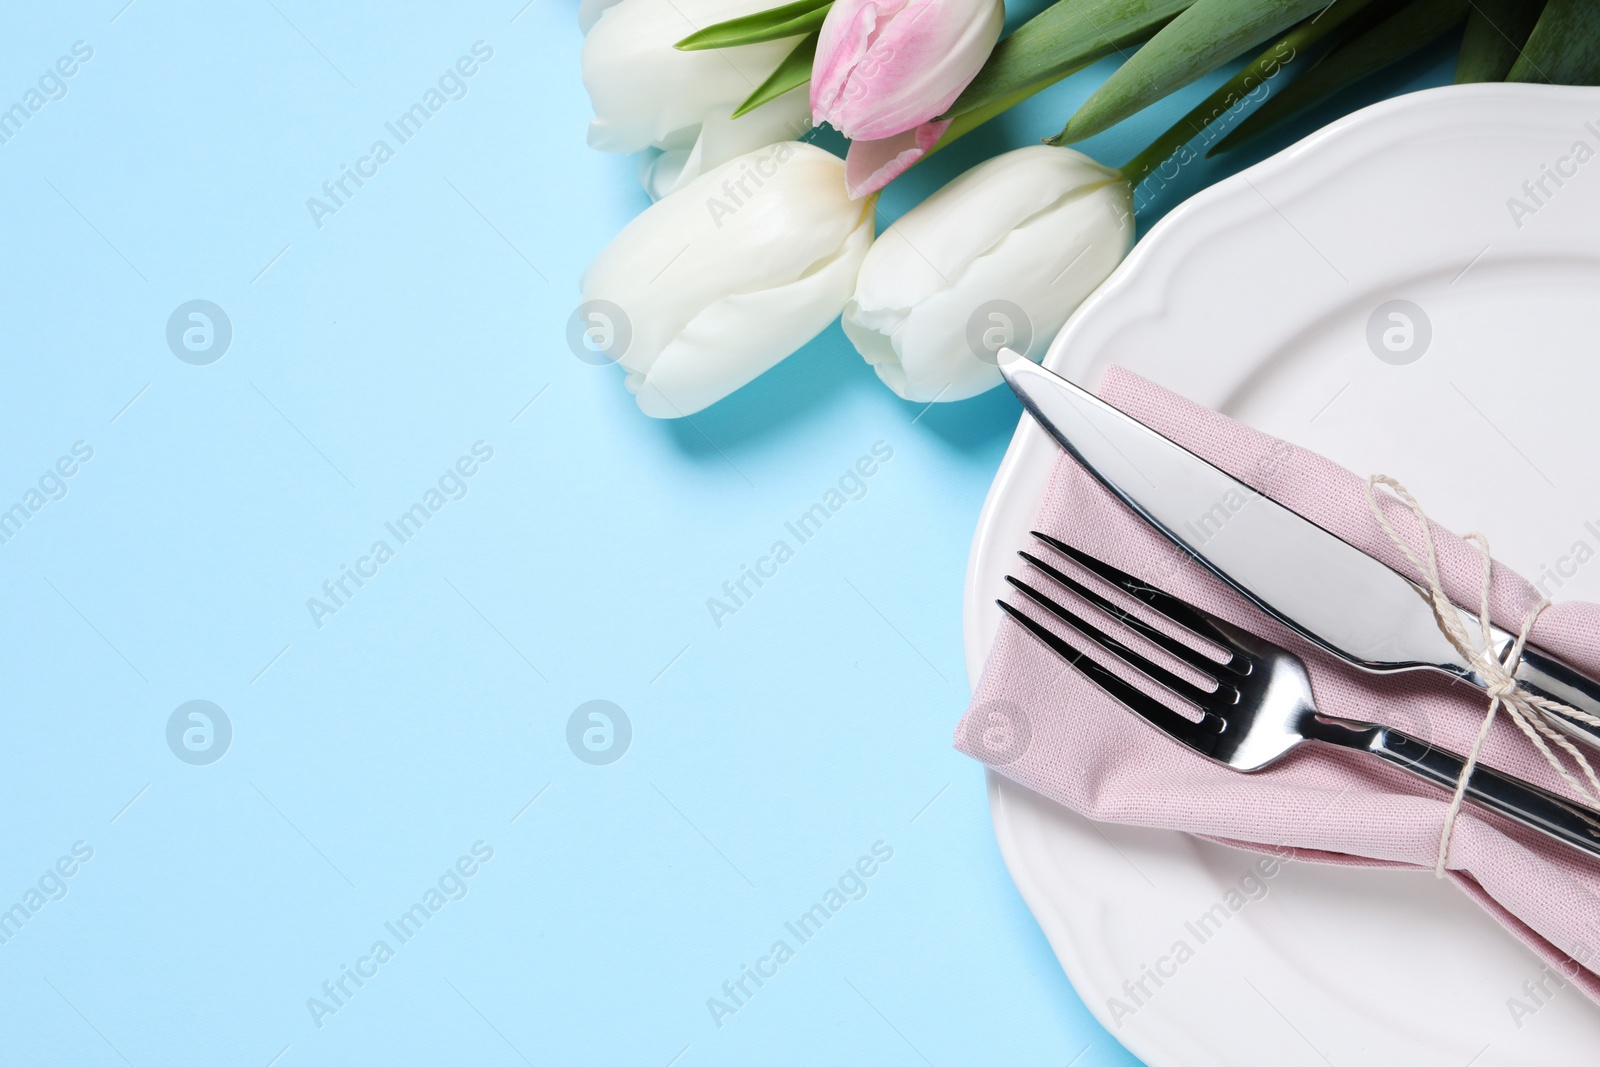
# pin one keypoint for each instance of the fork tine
(1176, 611)
(1177, 649)
(1163, 718)
(1094, 632)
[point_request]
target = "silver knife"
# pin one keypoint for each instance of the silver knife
(1330, 592)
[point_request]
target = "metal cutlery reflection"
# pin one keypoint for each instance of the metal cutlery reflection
(1327, 590)
(1260, 704)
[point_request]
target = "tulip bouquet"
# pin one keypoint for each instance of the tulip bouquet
(757, 240)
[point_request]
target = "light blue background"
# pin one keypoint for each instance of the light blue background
(370, 753)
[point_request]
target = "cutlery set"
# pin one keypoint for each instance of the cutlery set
(1256, 703)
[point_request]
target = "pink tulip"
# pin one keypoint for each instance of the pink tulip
(870, 165)
(886, 67)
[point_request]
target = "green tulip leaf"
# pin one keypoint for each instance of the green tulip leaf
(1264, 75)
(1496, 31)
(794, 71)
(1362, 52)
(1207, 35)
(1062, 39)
(790, 20)
(1564, 47)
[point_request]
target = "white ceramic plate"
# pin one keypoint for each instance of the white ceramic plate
(1254, 298)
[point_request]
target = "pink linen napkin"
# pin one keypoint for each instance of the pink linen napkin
(1046, 726)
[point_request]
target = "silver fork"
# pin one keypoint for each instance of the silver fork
(1262, 705)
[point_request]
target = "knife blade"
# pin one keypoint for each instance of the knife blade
(1351, 604)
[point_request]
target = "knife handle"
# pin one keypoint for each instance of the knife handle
(1549, 677)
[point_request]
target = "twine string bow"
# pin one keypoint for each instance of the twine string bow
(1532, 714)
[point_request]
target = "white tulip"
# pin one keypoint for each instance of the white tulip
(677, 106)
(1036, 229)
(729, 275)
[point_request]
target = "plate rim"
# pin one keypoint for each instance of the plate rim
(1019, 468)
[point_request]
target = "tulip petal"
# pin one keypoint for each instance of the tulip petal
(881, 70)
(1038, 228)
(937, 239)
(870, 165)
(645, 92)
(842, 43)
(723, 137)
(739, 337)
(876, 335)
(589, 12)
(722, 279)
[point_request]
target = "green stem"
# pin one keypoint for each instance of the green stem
(1267, 66)
(965, 123)
(1065, 37)
(1061, 40)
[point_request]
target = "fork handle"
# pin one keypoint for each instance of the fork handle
(1522, 802)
